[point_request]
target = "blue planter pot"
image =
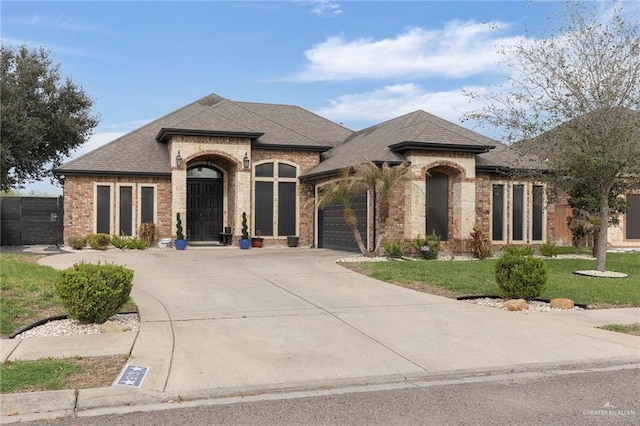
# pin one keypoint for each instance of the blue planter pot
(244, 244)
(180, 244)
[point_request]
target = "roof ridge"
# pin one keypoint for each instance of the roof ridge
(275, 122)
(441, 123)
(139, 129)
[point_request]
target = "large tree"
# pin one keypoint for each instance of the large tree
(575, 96)
(42, 117)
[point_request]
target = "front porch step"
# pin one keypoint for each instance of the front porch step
(205, 244)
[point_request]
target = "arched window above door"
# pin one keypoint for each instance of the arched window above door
(203, 172)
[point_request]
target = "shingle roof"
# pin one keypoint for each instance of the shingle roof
(138, 152)
(383, 142)
(505, 157)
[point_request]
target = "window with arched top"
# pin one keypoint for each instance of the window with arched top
(276, 202)
(437, 208)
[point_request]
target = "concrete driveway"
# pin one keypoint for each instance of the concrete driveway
(265, 318)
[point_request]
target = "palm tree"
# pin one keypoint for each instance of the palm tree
(382, 180)
(342, 191)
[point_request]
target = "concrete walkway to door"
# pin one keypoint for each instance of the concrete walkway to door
(219, 321)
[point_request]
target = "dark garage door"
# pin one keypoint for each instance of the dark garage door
(334, 234)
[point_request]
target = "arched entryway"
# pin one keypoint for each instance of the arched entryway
(205, 196)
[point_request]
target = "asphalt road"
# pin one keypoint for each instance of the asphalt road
(602, 397)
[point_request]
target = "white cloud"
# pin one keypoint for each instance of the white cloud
(392, 101)
(327, 8)
(56, 48)
(60, 22)
(460, 49)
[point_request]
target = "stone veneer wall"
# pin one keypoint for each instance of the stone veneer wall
(226, 154)
(79, 203)
(305, 160)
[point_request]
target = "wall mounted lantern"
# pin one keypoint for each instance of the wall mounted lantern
(245, 161)
(179, 160)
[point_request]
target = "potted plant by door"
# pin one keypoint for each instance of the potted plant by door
(244, 241)
(257, 241)
(180, 242)
(292, 241)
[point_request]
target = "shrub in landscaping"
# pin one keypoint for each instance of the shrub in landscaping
(519, 251)
(120, 241)
(147, 233)
(429, 246)
(92, 293)
(549, 250)
(77, 243)
(480, 244)
(395, 249)
(99, 241)
(519, 275)
(137, 244)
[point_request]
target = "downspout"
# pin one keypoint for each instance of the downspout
(315, 217)
(375, 215)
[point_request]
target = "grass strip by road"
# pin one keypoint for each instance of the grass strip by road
(458, 278)
(60, 373)
(623, 328)
(45, 374)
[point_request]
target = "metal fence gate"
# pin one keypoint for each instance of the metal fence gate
(31, 220)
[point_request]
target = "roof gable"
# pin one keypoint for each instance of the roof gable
(281, 126)
(385, 142)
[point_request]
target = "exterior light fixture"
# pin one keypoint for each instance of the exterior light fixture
(245, 161)
(179, 160)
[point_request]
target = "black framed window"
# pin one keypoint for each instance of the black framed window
(517, 213)
(286, 208)
(125, 197)
(103, 209)
(147, 202)
(537, 220)
(633, 217)
(276, 200)
(497, 213)
(438, 205)
(264, 170)
(264, 207)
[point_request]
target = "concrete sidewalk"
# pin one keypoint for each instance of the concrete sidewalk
(222, 322)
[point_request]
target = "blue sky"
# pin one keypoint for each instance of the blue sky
(354, 62)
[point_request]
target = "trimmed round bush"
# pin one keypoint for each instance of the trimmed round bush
(92, 293)
(99, 241)
(520, 276)
(77, 243)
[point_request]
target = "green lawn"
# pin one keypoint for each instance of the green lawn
(26, 292)
(477, 277)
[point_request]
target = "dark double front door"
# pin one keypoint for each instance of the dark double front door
(204, 209)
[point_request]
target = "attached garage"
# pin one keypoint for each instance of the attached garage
(333, 232)
(633, 217)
